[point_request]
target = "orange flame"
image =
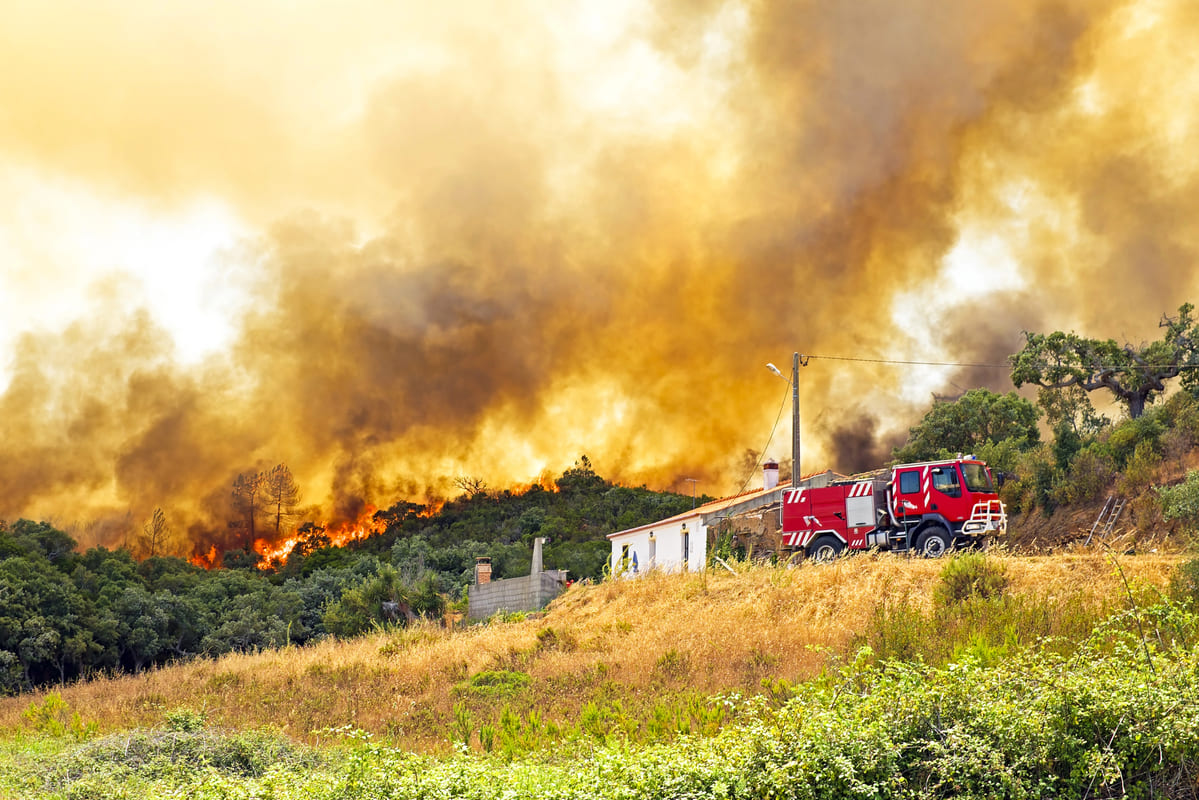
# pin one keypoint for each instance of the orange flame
(275, 553)
(206, 560)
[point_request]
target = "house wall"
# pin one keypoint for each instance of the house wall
(666, 551)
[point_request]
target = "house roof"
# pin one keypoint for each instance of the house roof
(698, 511)
(707, 509)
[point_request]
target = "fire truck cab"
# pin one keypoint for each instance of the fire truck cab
(929, 508)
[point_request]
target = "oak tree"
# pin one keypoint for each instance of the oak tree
(1134, 374)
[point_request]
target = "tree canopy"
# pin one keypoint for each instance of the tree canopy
(1134, 374)
(978, 417)
(65, 614)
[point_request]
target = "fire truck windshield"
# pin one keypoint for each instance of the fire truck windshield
(977, 479)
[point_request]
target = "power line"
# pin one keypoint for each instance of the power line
(1006, 365)
(915, 363)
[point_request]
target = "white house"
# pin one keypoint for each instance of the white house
(681, 542)
(667, 544)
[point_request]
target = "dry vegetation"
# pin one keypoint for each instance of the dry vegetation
(635, 643)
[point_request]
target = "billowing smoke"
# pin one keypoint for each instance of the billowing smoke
(544, 236)
(857, 446)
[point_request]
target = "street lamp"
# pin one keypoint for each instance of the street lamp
(795, 463)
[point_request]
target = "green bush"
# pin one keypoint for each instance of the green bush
(897, 631)
(185, 720)
(1184, 583)
(98, 768)
(1181, 502)
(968, 576)
(1033, 484)
(53, 717)
(494, 683)
(1087, 477)
(1140, 470)
(1002, 456)
(1123, 440)
(1180, 413)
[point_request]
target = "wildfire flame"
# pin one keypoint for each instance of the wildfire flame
(207, 560)
(312, 536)
(275, 553)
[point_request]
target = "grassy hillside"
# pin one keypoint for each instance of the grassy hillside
(638, 659)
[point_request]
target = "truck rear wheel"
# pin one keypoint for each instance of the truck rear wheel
(826, 548)
(934, 542)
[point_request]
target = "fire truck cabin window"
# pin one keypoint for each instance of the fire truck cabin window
(945, 479)
(977, 479)
(909, 482)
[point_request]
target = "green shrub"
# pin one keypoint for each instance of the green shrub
(185, 720)
(1181, 502)
(896, 632)
(494, 683)
(1032, 486)
(970, 575)
(1184, 583)
(1123, 440)
(1003, 456)
(1180, 413)
(673, 665)
(1140, 470)
(189, 757)
(53, 717)
(1087, 477)
(1066, 445)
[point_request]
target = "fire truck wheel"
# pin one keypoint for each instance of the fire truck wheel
(826, 548)
(934, 542)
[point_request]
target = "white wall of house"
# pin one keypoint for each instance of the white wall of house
(660, 546)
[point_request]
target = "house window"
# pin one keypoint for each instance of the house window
(624, 559)
(686, 545)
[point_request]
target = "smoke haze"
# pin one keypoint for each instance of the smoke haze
(419, 244)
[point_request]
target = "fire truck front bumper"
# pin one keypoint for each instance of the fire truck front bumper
(988, 518)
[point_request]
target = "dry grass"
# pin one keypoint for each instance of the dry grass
(638, 641)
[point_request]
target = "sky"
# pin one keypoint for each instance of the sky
(390, 245)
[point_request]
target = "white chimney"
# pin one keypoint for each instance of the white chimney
(537, 543)
(770, 474)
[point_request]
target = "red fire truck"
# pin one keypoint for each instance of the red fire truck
(927, 508)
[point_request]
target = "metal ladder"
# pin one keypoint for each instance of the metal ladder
(1106, 521)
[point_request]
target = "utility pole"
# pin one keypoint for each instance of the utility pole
(692, 481)
(795, 470)
(797, 361)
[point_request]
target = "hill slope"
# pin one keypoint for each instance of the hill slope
(627, 655)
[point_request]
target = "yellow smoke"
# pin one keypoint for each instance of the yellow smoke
(487, 240)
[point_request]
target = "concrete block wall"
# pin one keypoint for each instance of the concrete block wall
(528, 593)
